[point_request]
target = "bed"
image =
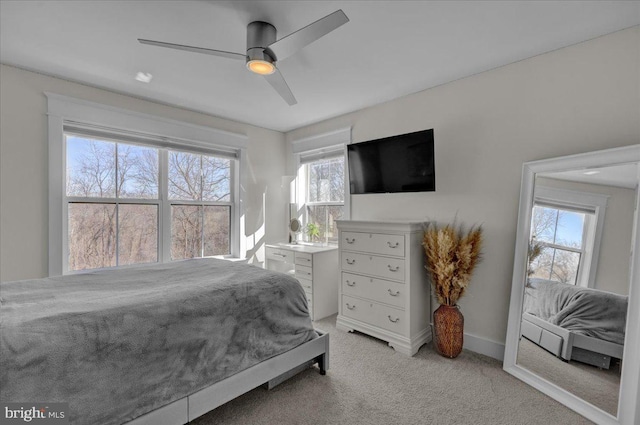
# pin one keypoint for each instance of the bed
(155, 344)
(575, 323)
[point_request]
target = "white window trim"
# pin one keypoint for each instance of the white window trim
(581, 200)
(329, 142)
(63, 109)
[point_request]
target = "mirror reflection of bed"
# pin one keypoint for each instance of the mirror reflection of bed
(575, 300)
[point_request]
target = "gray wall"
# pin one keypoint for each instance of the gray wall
(24, 170)
(577, 99)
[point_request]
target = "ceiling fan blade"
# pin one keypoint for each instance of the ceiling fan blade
(277, 82)
(295, 41)
(222, 53)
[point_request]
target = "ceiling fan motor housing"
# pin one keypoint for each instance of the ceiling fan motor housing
(259, 36)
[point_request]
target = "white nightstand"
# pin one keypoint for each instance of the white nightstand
(317, 270)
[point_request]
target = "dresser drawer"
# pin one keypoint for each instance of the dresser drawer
(375, 243)
(304, 259)
(384, 291)
(385, 317)
(304, 272)
(279, 254)
(388, 268)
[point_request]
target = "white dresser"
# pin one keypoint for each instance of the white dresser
(317, 270)
(384, 291)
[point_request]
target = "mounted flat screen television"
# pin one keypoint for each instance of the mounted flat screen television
(402, 163)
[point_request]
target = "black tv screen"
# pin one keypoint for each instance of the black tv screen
(402, 163)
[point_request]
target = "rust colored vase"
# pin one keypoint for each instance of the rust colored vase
(448, 325)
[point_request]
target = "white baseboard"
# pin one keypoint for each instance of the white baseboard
(481, 345)
(484, 346)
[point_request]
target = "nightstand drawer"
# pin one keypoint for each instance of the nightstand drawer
(304, 272)
(279, 255)
(384, 291)
(375, 243)
(307, 285)
(388, 268)
(304, 259)
(385, 317)
(310, 304)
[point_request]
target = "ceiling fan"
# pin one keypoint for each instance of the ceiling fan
(263, 50)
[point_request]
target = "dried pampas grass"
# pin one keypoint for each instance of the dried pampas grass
(451, 257)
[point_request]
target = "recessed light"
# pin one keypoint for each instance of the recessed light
(144, 77)
(591, 173)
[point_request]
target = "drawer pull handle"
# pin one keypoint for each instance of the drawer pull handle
(351, 262)
(279, 255)
(393, 246)
(392, 294)
(393, 269)
(350, 241)
(393, 321)
(351, 283)
(350, 307)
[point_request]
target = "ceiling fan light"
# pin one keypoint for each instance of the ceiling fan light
(261, 67)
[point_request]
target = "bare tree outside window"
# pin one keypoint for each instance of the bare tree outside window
(91, 168)
(113, 195)
(325, 196)
(137, 172)
(198, 229)
(106, 233)
(138, 234)
(559, 233)
(186, 231)
(92, 236)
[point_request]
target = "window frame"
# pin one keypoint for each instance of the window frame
(592, 203)
(168, 203)
(70, 115)
(588, 230)
(316, 147)
(304, 170)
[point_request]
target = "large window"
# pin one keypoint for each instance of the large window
(123, 200)
(200, 195)
(324, 184)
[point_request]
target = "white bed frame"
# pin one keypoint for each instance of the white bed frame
(569, 345)
(270, 372)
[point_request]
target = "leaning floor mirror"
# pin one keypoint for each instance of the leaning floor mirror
(574, 317)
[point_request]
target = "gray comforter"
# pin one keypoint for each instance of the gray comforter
(585, 311)
(116, 344)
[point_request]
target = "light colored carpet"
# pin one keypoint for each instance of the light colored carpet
(598, 386)
(368, 383)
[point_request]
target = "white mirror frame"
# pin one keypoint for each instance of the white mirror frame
(629, 397)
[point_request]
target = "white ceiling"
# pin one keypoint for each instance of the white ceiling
(388, 49)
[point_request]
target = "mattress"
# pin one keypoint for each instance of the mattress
(116, 344)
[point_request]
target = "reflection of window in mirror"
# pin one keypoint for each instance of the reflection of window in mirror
(561, 235)
(565, 229)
